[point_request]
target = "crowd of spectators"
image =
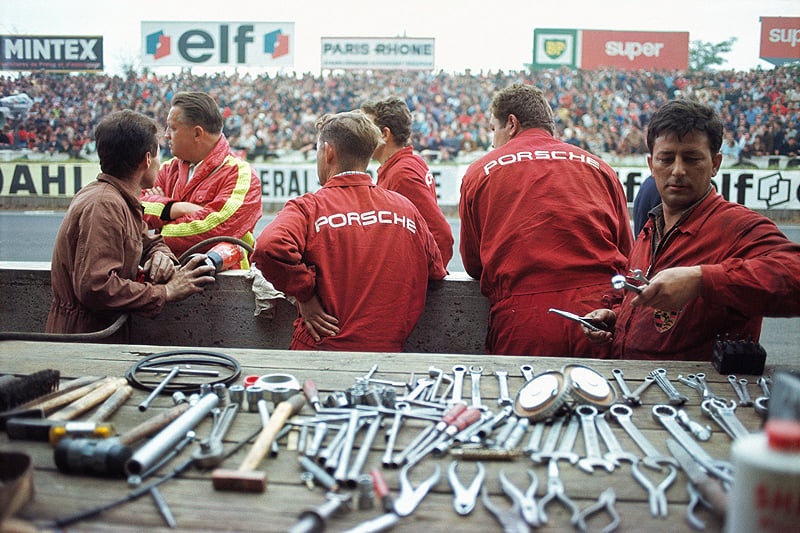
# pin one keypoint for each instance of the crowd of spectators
(604, 111)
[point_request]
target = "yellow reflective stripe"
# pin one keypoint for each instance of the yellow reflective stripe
(196, 227)
(244, 264)
(153, 208)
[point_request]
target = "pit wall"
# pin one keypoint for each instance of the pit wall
(454, 319)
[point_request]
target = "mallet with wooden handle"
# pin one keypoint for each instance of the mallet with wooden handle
(246, 478)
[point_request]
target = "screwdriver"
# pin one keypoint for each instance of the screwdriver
(382, 489)
(465, 419)
(310, 390)
(423, 438)
(447, 419)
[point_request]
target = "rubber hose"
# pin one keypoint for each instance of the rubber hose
(64, 337)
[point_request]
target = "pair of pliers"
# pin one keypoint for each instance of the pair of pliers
(656, 493)
(555, 490)
(606, 501)
(410, 497)
(465, 498)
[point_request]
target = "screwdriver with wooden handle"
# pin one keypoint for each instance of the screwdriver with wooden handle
(708, 487)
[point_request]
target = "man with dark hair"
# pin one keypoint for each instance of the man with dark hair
(204, 191)
(716, 268)
(103, 239)
(356, 257)
(405, 172)
(544, 224)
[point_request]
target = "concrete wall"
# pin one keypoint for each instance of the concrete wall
(454, 320)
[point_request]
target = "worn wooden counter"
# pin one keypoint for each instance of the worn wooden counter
(196, 506)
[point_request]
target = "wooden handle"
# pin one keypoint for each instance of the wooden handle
(282, 413)
(110, 406)
(716, 497)
(66, 393)
(88, 401)
(151, 425)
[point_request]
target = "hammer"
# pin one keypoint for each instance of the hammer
(246, 478)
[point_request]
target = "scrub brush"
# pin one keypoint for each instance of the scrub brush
(15, 391)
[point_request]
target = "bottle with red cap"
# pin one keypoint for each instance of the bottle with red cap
(766, 487)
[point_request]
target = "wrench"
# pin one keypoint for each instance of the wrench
(620, 378)
(724, 414)
(740, 388)
(527, 372)
(516, 434)
(391, 436)
(475, 377)
(666, 415)
(615, 451)
(458, 385)
(549, 446)
(635, 396)
(700, 431)
(535, 439)
(564, 450)
(675, 397)
(502, 383)
(587, 414)
(652, 458)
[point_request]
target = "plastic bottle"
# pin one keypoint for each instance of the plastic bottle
(766, 488)
(224, 256)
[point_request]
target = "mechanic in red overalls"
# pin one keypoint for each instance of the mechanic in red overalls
(356, 257)
(544, 224)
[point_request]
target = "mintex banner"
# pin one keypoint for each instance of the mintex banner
(51, 52)
(634, 50)
(780, 39)
(356, 53)
(218, 44)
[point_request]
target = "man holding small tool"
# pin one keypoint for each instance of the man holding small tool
(355, 256)
(103, 239)
(715, 268)
(544, 225)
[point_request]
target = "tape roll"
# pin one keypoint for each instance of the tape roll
(587, 386)
(542, 396)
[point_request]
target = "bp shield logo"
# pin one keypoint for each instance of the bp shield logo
(158, 45)
(554, 48)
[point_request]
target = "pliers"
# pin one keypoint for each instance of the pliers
(410, 497)
(555, 489)
(527, 503)
(511, 519)
(465, 499)
(656, 493)
(606, 501)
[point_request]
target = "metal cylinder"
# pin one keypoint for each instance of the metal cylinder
(253, 393)
(148, 454)
(317, 439)
(236, 393)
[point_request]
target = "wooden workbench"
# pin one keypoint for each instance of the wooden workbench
(197, 507)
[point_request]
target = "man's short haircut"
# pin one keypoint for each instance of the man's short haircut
(123, 138)
(525, 102)
(353, 136)
(392, 113)
(682, 117)
(199, 109)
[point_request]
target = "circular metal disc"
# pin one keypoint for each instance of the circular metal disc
(588, 386)
(541, 396)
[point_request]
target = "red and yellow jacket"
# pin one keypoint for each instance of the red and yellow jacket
(225, 185)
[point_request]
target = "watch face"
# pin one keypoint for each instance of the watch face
(589, 386)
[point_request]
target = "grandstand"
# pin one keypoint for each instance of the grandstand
(271, 117)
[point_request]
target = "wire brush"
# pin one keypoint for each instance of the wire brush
(15, 391)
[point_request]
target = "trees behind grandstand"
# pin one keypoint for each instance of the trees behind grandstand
(705, 55)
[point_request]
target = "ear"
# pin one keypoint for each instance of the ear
(328, 152)
(650, 162)
(198, 132)
(513, 125)
(385, 133)
(716, 161)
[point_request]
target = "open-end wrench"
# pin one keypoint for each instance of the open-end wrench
(502, 383)
(475, 377)
(391, 436)
(666, 416)
(675, 397)
(635, 397)
(615, 451)
(623, 386)
(587, 414)
(458, 383)
(652, 458)
(516, 434)
(437, 374)
(210, 452)
(564, 450)
(418, 390)
(535, 439)
(527, 371)
(550, 442)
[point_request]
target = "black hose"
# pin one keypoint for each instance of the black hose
(167, 360)
(213, 240)
(64, 337)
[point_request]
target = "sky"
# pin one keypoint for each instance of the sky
(469, 34)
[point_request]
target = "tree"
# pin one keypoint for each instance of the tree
(704, 55)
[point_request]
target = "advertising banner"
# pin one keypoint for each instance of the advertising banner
(631, 50)
(755, 188)
(218, 44)
(377, 53)
(56, 53)
(780, 39)
(555, 48)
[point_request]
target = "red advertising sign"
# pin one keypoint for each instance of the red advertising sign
(780, 39)
(632, 50)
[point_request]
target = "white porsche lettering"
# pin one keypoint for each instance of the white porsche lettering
(541, 155)
(367, 218)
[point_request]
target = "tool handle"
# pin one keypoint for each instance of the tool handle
(310, 390)
(151, 425)
(282, 413)
(467, 418)
(70, 396)
(110, 406)
(62, 389)
(453, 413)
(82, 405)
(714, 494)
